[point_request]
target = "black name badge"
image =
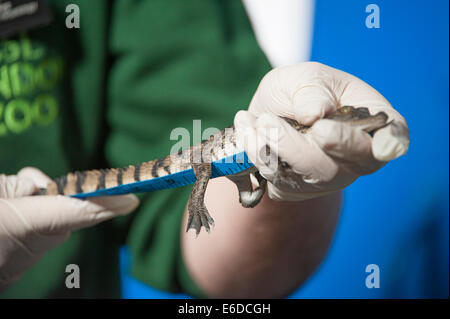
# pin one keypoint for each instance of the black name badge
(21, 15)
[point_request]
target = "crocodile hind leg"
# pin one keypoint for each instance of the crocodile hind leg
(198, 213)
(248, 196)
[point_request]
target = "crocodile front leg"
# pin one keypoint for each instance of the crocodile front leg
(198, 213)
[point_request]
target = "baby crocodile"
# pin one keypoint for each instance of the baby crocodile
(199, 158)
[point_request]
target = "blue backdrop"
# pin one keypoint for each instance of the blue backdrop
(397, 218)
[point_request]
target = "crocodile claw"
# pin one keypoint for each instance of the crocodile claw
(199, 218)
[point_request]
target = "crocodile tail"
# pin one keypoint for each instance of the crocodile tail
(90, 181)
(93, 180)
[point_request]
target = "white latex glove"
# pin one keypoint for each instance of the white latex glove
(331, 155)
(32, 225)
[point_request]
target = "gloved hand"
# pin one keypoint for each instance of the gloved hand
(32, 225)
(331, 155)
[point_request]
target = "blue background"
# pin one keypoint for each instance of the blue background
(397, 218)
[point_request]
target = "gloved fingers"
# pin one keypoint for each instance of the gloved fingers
(313, 101)
(245, 134)
(36, 244)
(18, 252)
(58, 214)
(317, 92)
(291, 146)
(121, 205)
(48, 241)
(293, 187)
(389, 142)
(297, 149)
(305, 91)
(350, 147)
(277, 194)
(37, 176)
(13, 186)
(6, 281)
(24, 248)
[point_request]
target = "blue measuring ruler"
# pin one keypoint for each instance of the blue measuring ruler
(225, 166)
